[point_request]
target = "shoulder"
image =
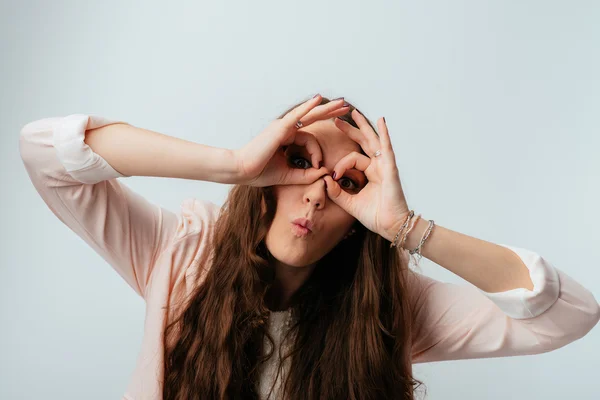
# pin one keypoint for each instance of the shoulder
(190, 253)
(196, 216)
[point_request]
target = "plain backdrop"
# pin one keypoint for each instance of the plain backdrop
(492, 106)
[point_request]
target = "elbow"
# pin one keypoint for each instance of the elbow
(574, 314)
(37, 151)
(26, 149)
(579, 327)
(565, 323)
(24, 143)
(592, 321)
(34, 137)
(589, 317)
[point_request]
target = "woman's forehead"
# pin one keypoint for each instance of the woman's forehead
(334, 142)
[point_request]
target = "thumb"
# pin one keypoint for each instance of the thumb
(335, 193)
(304, 176)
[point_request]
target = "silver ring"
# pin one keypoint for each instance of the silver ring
(298, 124)
(377, 153)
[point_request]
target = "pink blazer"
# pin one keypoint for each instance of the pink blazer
(156, 251)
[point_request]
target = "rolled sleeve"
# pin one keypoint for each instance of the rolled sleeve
(75, 155)
(84, 192)
(460, 321)
(523, 303)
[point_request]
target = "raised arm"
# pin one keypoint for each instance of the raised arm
(75, 163)
(461, 321)
(136, 151)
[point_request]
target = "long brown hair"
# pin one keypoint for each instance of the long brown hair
(353, 318)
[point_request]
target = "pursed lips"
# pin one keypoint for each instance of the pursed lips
(305, 223)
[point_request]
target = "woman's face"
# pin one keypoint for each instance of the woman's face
(310, 201)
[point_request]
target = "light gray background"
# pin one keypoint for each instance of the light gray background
(493, 109)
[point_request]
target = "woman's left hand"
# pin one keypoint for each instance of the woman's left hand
(380, 206)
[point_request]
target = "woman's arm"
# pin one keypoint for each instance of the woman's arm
(459, 321)
(489, 266)
(134, 151)
(521, 288)
(85, 192)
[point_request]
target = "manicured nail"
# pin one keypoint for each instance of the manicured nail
(333, 177)
(346, 104)
(316, 95)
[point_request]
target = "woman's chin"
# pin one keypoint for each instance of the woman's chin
(290, 249)
(284, 257)
(288, 255)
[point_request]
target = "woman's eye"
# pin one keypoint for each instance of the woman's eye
(353, 184)
(350, 185)
(293, 158)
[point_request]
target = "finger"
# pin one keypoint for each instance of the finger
(297, 176)
(349, 161)
(386, 142)
(369, 133)
(309, 141)
(364, 126)
(300, 111)
(322, 111)
(357, 135)
(337, 195)
(337, 113)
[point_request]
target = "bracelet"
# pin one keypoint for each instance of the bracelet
(412, 225)
(426, 235)
(412, 222)
(393, 244)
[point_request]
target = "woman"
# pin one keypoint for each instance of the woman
(300, 283)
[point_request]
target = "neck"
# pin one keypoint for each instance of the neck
(288, 279)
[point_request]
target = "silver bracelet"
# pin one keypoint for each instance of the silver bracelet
(417, 250)
(410, 215)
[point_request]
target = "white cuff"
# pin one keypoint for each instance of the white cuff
(522, 303)
(75, 155)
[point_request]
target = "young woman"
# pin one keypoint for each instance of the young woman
(299, 286)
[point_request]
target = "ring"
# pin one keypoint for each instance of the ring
(377, 153)
(298, 124)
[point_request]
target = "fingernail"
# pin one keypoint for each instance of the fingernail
(333, 177)
(316, 95)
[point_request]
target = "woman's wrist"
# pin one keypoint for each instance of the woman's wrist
(215, 164)
(414, 236)
(135, 151)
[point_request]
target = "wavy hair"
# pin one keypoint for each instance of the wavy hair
(352, 329)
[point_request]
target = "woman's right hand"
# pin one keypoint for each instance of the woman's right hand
(262, 162)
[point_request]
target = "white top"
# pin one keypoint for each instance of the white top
(268, 375)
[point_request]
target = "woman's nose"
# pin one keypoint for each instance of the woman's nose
(316, 193)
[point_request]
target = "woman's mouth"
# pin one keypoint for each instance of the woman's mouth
(299, 230)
